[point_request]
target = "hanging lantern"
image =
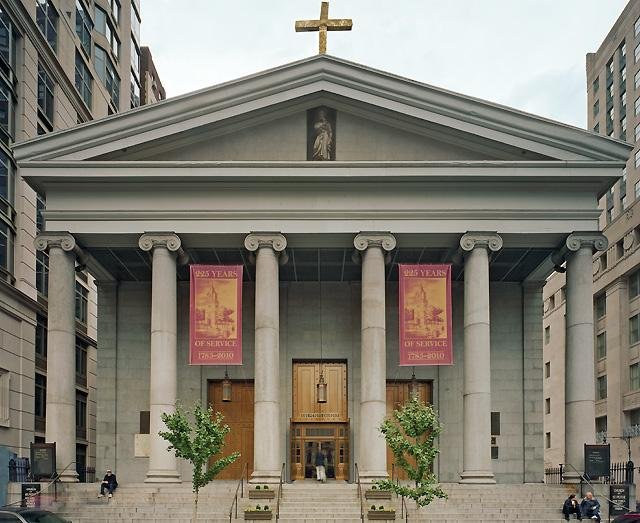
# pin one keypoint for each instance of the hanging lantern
(226, 387)
(413, 385)
(322, 390)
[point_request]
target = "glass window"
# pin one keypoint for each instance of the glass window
(100, 20)
(623, 102)
(45, 95)
(82, 301)
(84, 82)
(636, 106)
(634, 377)
(636, 159)
(623, 78)
(41, 396)
(636, 53)
(42, 257)
(596, 128)
(8, 36)
(547, 406)
(135, 59)
(135, 91)
(41, 337)
(135, 22)
(81, 364)
(634, 329)
(636, 132)
(636, 80)
(107, 74)
(47, 20)
(636, 27)
(601, 388)
(601, 304)
(596, 108)
(81, 414)
(601, 345)
(596, 85)
(84, 26)
(547, 335)
(7, 177)
(636, 189)
(115, 10)
(623, 128)
(634, 284)
(547, 369)
(7, 110)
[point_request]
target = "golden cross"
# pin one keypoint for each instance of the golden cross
(323, 25)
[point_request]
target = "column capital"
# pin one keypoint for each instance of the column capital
(150, 240)
(45, 240)
(275, 240)
(364, 240)
(488, 240)
(578, 240)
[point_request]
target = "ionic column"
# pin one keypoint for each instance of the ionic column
(476, 448)
(266, 422)
(372, 451)
(163, 466)
(61, 349)
(580, 390)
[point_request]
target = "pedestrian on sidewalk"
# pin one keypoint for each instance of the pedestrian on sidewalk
(321, 474)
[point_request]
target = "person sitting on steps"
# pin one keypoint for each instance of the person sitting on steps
(571, 506)
(590, 507)
(109, 483)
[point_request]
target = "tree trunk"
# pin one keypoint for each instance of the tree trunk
(195, 508)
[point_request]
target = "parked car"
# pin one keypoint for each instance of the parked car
(28, 515)
(632, 517)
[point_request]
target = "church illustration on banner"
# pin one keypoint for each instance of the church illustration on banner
(425, 309)
(215, 312)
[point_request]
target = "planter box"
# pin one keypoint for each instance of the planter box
(377, 494)
(262, 494)
(261, 514)
(381, 514)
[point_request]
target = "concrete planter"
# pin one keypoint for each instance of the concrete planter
(258, 514)
(381, 514)
(377, 494)
(262, 494)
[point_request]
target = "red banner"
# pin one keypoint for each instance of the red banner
(425, 315)
(215, 319)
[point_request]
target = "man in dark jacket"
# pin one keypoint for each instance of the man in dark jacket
(590, 507)
(109, 483)
(571, 506)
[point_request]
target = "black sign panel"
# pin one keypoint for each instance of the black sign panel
(597, 460)
(43, 460)
(619, 499)
(30, 495)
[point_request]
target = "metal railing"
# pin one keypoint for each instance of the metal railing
(239, 486)
(620, 473)
(279, 492)
(553, 475)
(585, 479)
(404, 511)
(359, 493)
(54, 481)
(20, 472)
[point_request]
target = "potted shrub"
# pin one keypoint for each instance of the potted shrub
(381, 512)
(258, 512)
(377, 493)
(261, 492)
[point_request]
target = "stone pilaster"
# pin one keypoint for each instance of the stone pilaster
(61, 349)
(476, 450)
(267, 459)
(372, 460)
(163, 466)
(579, 352)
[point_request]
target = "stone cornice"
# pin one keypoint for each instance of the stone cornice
(275, 240)
(364, 240)
(488, 240)
(169, 240)
(45, 240)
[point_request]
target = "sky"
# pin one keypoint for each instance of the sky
(527, 54)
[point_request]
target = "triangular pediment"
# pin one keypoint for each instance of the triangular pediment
(379, 116)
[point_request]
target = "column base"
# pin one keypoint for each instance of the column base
(478, 477)
(368, 477)
(269, 477)
(163, 476)
(69, 476)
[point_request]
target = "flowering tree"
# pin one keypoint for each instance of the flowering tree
(411, 435)
(198, 443)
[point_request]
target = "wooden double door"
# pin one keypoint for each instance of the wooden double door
(238, 414)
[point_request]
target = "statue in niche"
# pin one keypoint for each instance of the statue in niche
(321, 143)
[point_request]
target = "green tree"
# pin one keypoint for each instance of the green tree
(411, 435)
(198, 443)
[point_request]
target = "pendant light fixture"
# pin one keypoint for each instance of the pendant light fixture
(226, 387)
(413, 385)
(321, 387)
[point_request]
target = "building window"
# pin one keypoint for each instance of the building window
(83, 80)
(104, 27)
(636, 158)
(623, 85)
(81, 414)
(552, 302)
(547, 369)
(636, 53)
(115, 10)
(84, 26)
(42, 257)
(547, 440)
(135, 22)
(135, 59)
(82, 301)
(601, 304)
(601, 387)
(41, 342)
(596, 128)
(45, 96)
(596, 108)
(5, 388)
(601, 345)
(633, 417)
(634, 377)
(547, 335)
(636, 27)
(40, 407)
(634, 284)
(636, 80)
(107, 74)
(596, 85)
(135, 92)
(636, 189)
(547, 406)
(634, 329)
(47, 20)
(623, 128)
(81, 365)
(636, 106)
(6, 247)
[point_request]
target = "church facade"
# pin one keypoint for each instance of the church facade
(319, 178)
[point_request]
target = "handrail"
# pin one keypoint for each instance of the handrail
(245, 470)
(583, 477)
(359, 493)
(404, 510)
(53, 482)
(279, 493)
